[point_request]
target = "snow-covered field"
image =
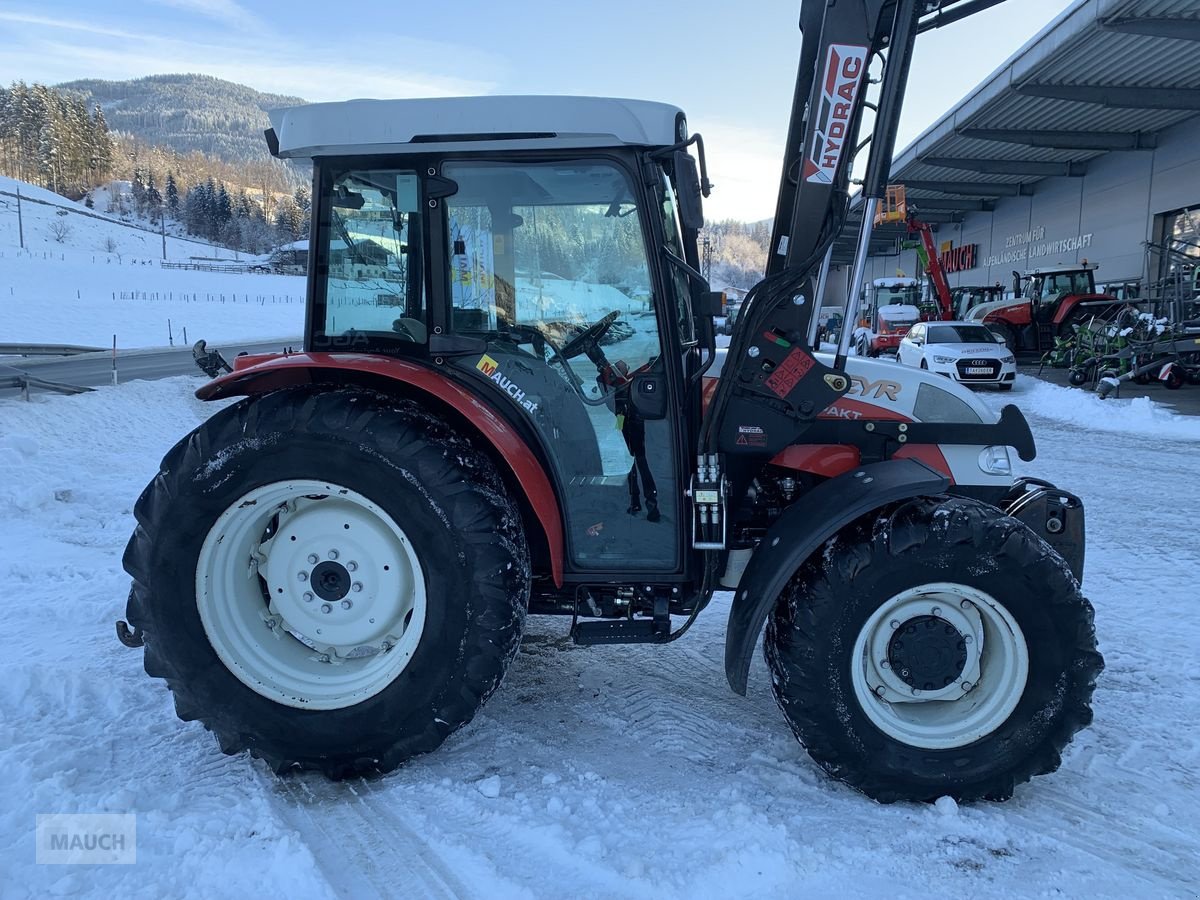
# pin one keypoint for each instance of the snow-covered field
(104, 279)
(601, 772)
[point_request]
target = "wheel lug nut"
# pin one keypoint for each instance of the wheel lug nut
(313, 558)
(894, 624)
(325, 608)
(967, 639)
(346, 604)
(352, 566)
(884, 664)
(303, 576)
(357, 586)
(333, 554)
(966, 604)
(308, 597)
(937, 611)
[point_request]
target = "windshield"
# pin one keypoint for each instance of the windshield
(908, 294)
(960, 334)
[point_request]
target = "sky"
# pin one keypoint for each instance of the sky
(731, 67)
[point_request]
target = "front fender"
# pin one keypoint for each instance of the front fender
(800, 531)
(257, 375)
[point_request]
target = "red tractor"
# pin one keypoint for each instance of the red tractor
(1046, 303)
(506, 403)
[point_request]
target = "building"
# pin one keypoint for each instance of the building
(1084, 145)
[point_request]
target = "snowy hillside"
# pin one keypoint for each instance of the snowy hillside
(105, 278)
(619, 772)
(54, 223)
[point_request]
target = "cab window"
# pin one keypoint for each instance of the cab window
(369, 275)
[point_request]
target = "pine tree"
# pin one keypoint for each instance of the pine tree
(172, 197)
(154, 200)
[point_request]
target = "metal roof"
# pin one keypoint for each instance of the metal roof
(1105, 76)
(428, 125)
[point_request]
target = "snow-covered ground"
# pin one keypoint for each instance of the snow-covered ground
(602, 772)
(104, 278)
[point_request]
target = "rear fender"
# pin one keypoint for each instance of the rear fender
(800, 531)
(258, 375)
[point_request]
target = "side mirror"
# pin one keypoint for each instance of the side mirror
(687, 187)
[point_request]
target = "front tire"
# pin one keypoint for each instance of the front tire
(329, 579)
(939, 649)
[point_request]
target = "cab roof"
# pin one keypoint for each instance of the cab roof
(362, 127)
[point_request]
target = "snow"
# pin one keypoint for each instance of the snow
(627, 771)
(81, 292)
(49, 297)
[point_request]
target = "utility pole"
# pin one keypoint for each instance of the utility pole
(162, 224)
(20, 223)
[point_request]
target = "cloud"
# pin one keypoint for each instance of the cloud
(227, 12)
(53, 51)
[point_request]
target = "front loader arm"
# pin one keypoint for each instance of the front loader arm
(771, 379)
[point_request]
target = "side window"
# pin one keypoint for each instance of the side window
(552, 248)
(370, 257)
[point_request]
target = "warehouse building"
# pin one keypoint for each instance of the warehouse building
(1085, 145)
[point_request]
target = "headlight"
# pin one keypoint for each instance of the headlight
(1008, 358)
(944, 360)
(995, 461)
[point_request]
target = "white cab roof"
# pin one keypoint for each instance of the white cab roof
(356, 127)
(895, 282)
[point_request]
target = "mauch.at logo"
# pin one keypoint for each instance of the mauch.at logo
(104, 839)
(844, 71)
(491, 369)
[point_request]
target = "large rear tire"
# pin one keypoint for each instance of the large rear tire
(332, 579)
(1005, 331)
(939, 649)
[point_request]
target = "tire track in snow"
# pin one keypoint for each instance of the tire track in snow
(361, 846)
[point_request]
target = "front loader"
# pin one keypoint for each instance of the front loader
(509, 401)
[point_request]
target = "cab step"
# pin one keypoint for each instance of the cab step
(621, 631)
(654, 630)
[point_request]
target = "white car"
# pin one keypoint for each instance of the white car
(965, 351)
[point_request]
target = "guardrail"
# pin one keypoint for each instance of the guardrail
(25, 382)
(46, 349)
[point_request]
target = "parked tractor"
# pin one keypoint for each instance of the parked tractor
(1046, 303)
(965, 298)
(334, 571)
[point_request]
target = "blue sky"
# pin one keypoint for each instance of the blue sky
(731, 66)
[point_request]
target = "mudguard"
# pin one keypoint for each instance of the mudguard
(268, 372)
(801, 530)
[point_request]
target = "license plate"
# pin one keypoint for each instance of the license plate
(979, 370)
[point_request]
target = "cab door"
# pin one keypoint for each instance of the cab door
(548, 265)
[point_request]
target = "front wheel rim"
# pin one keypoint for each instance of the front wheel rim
(310, 594)
(960, 678)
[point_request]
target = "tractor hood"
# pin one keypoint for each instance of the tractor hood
(978, 313)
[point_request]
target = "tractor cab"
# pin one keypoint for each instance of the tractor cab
(1046, 289)
(966, 297)
(540, 260)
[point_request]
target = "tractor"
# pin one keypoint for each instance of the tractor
(1046, 303)
(333, 572)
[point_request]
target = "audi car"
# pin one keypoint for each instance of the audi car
(965, 351)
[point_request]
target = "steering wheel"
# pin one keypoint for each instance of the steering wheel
(589, 337)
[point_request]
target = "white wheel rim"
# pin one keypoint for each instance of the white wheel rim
(347, 594)
(982, 694)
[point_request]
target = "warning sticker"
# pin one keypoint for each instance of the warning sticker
(751, 436)
(794, 367)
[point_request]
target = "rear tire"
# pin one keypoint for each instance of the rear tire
(432, 552)
(985, 574)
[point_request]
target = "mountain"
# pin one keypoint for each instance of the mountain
(187, 112)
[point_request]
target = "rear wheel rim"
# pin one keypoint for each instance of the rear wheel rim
(957, 687)
(310, 594)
